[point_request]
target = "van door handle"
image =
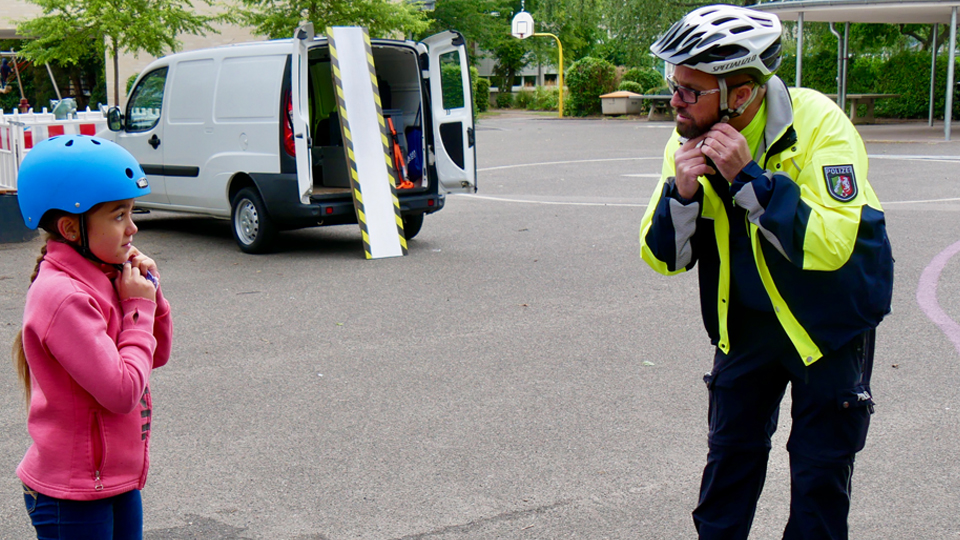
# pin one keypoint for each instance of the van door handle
(154, 141)
(470, 138)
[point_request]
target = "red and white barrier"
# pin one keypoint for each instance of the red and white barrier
(19, 132)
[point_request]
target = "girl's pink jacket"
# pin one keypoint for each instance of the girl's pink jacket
(90, 358)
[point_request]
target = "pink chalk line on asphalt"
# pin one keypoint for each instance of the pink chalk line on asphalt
(927, 295)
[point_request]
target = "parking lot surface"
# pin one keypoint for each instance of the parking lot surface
(520, 374)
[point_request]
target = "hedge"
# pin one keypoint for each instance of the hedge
(588, 79)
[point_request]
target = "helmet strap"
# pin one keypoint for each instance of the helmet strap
(84, 247)
(726, 113)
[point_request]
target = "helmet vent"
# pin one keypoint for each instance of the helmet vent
(69, 143)
(718, 22)
(129, 173)
(96, 142)
(740, 29)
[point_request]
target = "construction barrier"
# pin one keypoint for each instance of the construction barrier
(19, 132)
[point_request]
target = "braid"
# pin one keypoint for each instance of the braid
(19, 354)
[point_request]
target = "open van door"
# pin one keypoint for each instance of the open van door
(302, 38)
(452, 108)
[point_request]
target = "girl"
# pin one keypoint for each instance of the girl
(95, 324)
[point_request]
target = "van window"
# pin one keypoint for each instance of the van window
(146, 101)
(191, 89)
(451, 80)
(248, 89)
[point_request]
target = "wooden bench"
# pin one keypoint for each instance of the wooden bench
(660, 108)
(865, 99)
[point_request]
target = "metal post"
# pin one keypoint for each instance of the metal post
(799, 49)
(840, 97)
(560, 75)
(951, 61)
(933, 69)
(846, 60)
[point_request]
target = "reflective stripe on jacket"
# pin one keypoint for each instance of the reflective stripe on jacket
(816, 227)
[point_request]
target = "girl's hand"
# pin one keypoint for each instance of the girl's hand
(144, 263)
(131, 284)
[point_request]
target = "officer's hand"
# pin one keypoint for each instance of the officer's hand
(131, 284)
(728, 149)
(690, 164)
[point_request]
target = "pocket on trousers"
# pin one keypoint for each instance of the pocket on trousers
(855, 398)
(30, 499)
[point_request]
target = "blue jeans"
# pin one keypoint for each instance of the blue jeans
(115, 518)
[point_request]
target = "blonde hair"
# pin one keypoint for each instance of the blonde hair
(19, 354)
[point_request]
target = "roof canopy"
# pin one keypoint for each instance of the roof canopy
(863, 11)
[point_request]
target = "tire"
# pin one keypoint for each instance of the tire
(412, 225)
(253, 229)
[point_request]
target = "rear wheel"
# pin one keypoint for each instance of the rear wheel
(411, 225)
(252, 227)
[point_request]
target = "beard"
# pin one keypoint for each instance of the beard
(695, 128)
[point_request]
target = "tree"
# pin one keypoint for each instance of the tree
(68, 29)
(383, 18)
(483, 23)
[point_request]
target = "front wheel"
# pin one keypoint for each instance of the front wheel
(253, 229)
(412, 225)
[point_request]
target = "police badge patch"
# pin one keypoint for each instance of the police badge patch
(841, 182)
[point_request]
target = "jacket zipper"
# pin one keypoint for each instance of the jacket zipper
(98, 437)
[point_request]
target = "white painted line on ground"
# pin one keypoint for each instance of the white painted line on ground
(561, 203)
(544, 163)
(942, 159)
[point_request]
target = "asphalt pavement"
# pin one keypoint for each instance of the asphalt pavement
(520, 374)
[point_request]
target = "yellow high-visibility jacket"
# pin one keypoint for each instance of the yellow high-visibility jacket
(816, 228)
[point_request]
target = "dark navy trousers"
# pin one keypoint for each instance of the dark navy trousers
(831, 412)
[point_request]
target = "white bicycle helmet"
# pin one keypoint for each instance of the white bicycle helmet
(724, 40)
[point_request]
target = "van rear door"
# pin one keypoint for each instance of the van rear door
(302, 38)
(452, 108)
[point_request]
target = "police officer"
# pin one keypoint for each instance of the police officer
(765, 190)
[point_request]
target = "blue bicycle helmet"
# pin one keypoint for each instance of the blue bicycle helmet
(73, 173)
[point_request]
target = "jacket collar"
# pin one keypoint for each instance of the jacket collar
(779, 128)
(69, 261)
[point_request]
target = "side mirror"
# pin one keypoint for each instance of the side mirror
(114, 119)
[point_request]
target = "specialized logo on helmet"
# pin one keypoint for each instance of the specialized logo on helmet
(142, 182)
(733, 65)
(841, 182)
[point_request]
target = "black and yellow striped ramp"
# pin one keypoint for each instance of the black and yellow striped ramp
(365, 141)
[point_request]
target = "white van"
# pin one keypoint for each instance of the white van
(222, 132)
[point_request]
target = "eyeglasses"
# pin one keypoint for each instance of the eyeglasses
(688, 95)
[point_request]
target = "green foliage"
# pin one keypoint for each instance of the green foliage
(382, 18)
(69, 30)
(908, 74)
(451, 81)
(86, 76)
(504, 100)
(588, 78)
(646, 77)
(630, 86)
(130, 80)
(525, 99)
(473, 19)
(482, 95)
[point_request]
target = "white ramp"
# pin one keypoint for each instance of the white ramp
(365, 141)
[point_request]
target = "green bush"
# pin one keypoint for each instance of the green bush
(906, 73)
(524, 100)
(588, 79)
(645, 77)
(452, 87)
(504, 100)
(545, 98)
(482, 95)
(630, 86)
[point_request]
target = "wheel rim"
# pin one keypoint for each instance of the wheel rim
(247, 222)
